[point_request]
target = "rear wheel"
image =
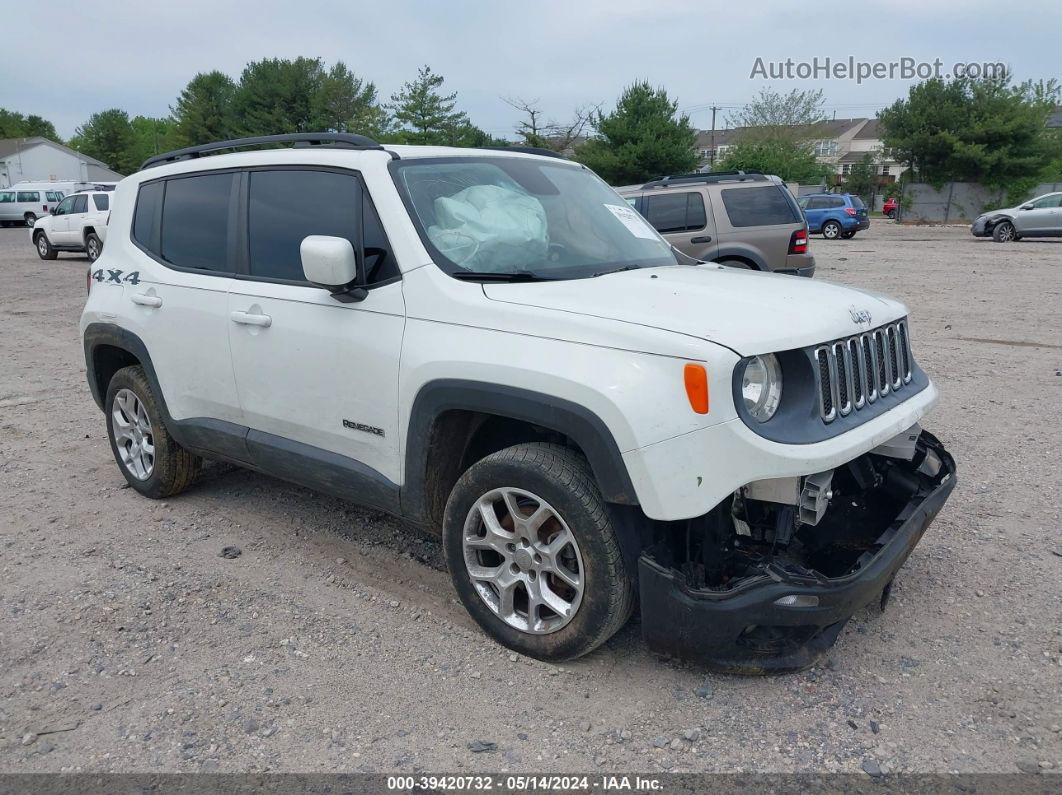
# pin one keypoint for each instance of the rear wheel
(93, 246)
(30, 219)
(734, 263)
(891, 214)
(1004, 232)
(831, 230)
(151, 461)
(45, 250)
(532, 553)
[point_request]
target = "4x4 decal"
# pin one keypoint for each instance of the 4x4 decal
(116, 277)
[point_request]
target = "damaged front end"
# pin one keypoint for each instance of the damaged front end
(765, 582)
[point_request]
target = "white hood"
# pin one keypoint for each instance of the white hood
(748, 312)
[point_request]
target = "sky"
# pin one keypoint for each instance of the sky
(138, 54)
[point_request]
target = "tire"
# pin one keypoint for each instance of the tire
(1004, 232)
(734, 263)
(831, 230)
(536, 477)
(45, 250)
(93, 246)
(847, 235)
(171, 469)
(30, 219)
(891, 214)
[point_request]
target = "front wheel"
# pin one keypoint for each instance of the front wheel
(1004, 232)
(533, 555)
(45, 250)
(831, 230)
(93, 246)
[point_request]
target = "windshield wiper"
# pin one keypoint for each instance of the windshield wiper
(510, 276)
(618, 270)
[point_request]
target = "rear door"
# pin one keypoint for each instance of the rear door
(683, 219)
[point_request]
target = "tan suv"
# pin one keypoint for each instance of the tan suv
(741, 219)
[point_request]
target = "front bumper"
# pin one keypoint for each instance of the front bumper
(979, 228)
(745, 630)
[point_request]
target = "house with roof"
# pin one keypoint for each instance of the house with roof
(839, 143)
(41, 160)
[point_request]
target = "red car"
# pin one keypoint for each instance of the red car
(889, 207)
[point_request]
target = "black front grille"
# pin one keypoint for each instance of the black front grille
(856, 371)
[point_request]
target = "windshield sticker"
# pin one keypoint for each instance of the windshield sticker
(630, 218)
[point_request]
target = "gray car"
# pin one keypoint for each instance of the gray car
(1041, 217)
(744, 220)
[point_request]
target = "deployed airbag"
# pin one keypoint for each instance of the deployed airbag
(490, 228)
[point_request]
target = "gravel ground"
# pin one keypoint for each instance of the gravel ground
(334, 642)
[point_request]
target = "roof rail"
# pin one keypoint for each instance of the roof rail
(345, 140)
(707, 177)
(531, 150)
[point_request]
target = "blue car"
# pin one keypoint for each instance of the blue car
(835, 215)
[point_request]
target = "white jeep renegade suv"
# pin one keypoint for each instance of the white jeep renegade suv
(493, 344)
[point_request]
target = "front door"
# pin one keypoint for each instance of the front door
(59, 224)
(1043, 217)
(317, 378)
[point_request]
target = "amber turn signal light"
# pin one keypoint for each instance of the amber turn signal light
(696, 378)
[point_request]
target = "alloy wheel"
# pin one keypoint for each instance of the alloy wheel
(133, 435)
(523, 560)
(42, 246)
(93, 249)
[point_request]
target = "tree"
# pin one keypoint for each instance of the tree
(642, 138)
(772, 116)
(423, 114)
(862, 180)
(554, 135)
(203, 111)
(345, 103)
(791, 160)
(276, 96)
(152, 136)
(15, 125)
(108, 136)
(977, 130)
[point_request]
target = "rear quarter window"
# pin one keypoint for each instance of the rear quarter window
(101, 200)
(857, 203)
(760, 206)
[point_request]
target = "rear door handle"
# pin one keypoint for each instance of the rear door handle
(247, 319)
(146, 300)
(701, 239)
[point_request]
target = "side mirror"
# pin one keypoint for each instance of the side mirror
(330, 262)
(1026, 206)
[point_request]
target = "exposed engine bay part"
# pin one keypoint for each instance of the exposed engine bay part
(749, 587)
(902, 445)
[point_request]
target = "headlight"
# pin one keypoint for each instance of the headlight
(761, 386)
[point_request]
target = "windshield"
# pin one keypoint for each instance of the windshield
(498, 216)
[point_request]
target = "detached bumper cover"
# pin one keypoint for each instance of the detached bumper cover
(745, 630)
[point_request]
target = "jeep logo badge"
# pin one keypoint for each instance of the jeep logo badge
(859, 316)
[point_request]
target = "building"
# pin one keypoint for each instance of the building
(839, 143)
(41, 160)
(1054, 121)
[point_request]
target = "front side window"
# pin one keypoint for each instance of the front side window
(101, 200)
(80, 204)
(195, 221)
(762, 206)
(1048, 202)
(524, 217)
(29, 196)
(286, 206)
(65, 208)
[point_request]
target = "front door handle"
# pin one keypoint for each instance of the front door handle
(701, 239)
(247, 319)
(146, 300)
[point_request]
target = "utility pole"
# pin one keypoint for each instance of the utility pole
(712, 158)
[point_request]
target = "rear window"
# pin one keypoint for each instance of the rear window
(763, 206)
(676, 212)
(101, 200)
(195, 222)
(857, 203)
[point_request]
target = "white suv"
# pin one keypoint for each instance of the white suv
(78, 223)
(493, 344)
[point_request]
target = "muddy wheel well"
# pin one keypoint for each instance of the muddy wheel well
(108, 360)
(461, 438)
